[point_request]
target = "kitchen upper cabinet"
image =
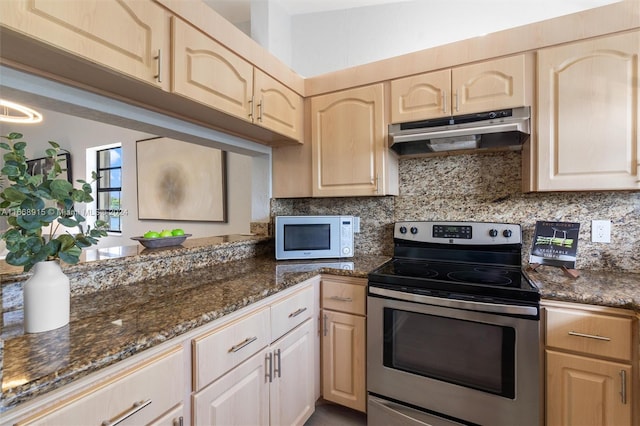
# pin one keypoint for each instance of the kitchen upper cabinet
(350, 156)
(588, 117)
(129, 36)
(277, 107)
(590, 372)
(207, 72)
(486, 86)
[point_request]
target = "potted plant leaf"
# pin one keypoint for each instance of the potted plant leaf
(37, 206)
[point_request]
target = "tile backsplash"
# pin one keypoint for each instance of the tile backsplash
(486, 187)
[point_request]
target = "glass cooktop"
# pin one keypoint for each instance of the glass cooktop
(454, 279)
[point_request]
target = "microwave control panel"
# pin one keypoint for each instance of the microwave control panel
(346, 235)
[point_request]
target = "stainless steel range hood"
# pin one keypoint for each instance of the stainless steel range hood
(494, 130)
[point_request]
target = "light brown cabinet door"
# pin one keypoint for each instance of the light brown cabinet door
(487, 86)
(124, 35)
(588, 117)
(277, 107)
(205, 71)
(343, 359)
(421, 97)
(291, 396)
(240, 397)
(349, 150)
(587, 392)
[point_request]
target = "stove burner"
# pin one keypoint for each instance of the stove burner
(479, 276)
(414, 268)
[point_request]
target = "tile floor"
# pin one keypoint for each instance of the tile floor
(328, 414)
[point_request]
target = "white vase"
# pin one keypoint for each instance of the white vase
(46, 298)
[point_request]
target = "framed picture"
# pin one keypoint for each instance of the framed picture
(179, 180)
(45, 164)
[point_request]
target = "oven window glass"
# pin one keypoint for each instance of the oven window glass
(307, 237)
(472, 354)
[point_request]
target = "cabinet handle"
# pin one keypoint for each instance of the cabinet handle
(260, 105)
(623, 385)
(278, 364)
(325, 324)
(158, 76)
(444, 101)
(179, 421)
(341, 299)
(245, 342)
(457, 109)
(377, 183)
(589, 336)
(296, 313)
(251, 108)
(269, 362)
(137, 406)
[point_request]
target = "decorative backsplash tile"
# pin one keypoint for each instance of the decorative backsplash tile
(486, 187)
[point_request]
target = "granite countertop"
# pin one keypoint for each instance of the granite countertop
(109, 326)
(603, 288)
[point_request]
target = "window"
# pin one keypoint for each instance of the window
(109, 187)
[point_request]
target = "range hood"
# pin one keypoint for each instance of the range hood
(505, 129)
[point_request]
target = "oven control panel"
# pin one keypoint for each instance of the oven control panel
(469, 233)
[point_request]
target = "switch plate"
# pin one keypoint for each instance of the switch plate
(601, 231)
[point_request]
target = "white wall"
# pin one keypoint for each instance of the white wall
(78, 134)
(328, 41)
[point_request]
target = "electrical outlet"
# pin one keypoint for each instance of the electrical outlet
(601, 231)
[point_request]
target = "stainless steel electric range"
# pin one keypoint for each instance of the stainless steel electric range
(453, 329)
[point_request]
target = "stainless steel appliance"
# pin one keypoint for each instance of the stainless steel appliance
(453, 329)
(496, 130)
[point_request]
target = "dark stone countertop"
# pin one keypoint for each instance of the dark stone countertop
(150, 312)
(155, 310)
(603, 288)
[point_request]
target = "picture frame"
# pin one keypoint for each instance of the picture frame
(180, 181)
(44, 165)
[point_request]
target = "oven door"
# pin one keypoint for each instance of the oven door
(469, 361)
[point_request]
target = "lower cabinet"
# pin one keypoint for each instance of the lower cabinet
(149, 393)
(591, 377)
(343, 341)
(272, 379)
(587, 391)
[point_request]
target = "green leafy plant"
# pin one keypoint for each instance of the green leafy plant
(34, 202)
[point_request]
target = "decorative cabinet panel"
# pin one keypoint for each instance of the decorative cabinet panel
(588, 116)
(135, 396)
(205, 71)
(585, 391)
(129, 36)
(240, 397)
(349, 148)
(343, 342)
(590, 371)
(277, 107)
(486, 86)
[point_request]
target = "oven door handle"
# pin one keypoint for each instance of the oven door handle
(454, 303)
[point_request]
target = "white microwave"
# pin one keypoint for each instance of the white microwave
(315, 237)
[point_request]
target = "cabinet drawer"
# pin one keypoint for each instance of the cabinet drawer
(146, 391)
(344, 297)
(590, 333)
(222, 349)
(291, 312)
